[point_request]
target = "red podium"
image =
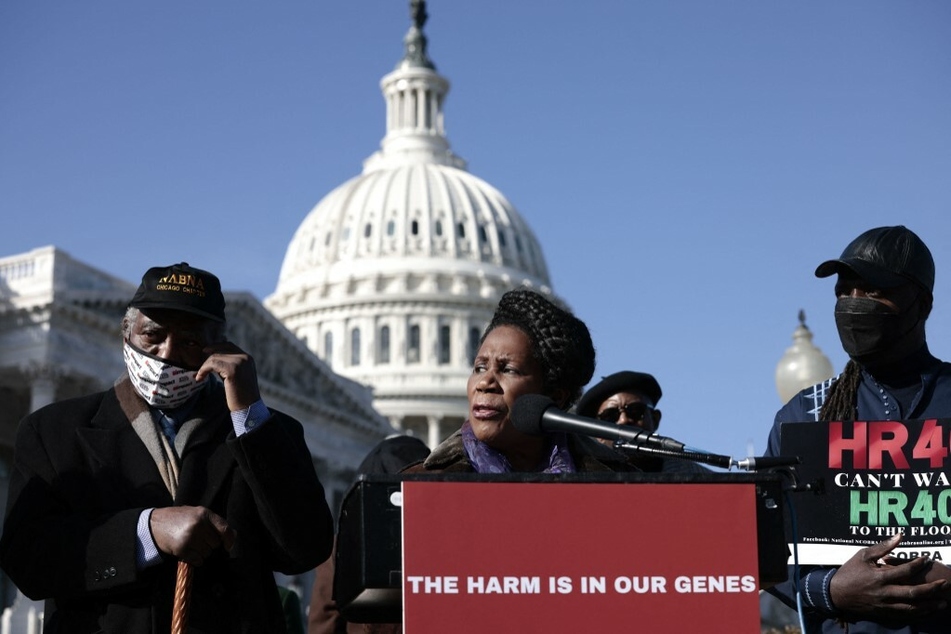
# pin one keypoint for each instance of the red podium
(566, 553)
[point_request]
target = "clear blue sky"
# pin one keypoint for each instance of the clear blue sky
(685, 164)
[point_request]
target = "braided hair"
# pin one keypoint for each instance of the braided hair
(842, 402)
(561, 342)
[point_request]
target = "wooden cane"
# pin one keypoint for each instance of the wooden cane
(183, 588)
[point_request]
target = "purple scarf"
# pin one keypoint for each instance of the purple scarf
(485, 459)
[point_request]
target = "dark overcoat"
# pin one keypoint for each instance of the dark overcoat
(81, 477)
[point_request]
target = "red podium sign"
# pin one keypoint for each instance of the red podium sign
(579, 557)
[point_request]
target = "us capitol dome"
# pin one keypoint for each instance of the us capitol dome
(393, 276)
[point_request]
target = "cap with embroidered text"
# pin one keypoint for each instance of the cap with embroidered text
(181, 287)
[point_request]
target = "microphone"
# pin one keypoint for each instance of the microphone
(693, 455)
(536, 414)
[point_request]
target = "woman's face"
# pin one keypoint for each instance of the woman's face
(503, 370)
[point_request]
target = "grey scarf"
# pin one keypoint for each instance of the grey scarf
(145, 422)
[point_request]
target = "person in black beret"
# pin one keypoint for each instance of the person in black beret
(630, 398)
(883, 298)
(180, 461)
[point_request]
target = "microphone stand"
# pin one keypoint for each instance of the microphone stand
(717, 460)
(686, 454)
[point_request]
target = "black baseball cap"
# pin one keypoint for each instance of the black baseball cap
(624, 381)
(885, 257)
(181, 287)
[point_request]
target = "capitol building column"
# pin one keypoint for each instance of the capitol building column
(43, 381)
(397, 422)
(433, 431)
(25, 615)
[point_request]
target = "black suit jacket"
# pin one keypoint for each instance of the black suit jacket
(82, 476)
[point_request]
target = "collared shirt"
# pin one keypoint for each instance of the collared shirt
(243, 421)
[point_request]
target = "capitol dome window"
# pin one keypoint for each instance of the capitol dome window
(414, 228)
(329, 348)
(483, 236)
(501, 235)
(444, 344)
(355, 346)
(346, 234)
(474, 335)
(413, 344)
(427, 110)
(367, 230)
(330, 236)
(461, 230)
(439, 227)
(384, 353)
(390, 227)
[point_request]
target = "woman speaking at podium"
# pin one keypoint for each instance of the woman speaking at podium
(531, 346)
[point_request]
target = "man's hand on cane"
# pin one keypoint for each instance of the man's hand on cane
(190, 533)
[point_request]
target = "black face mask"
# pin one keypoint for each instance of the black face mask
(872, 334)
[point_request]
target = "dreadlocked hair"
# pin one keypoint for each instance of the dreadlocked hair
(561, 342)
(842, 402)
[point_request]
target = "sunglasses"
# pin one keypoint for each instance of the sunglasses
(634, 412)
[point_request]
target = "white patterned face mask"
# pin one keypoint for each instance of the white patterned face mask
(160, 383)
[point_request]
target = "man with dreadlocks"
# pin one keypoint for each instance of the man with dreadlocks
(884, 295)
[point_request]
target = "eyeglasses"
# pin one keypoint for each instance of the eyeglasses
(634, 412)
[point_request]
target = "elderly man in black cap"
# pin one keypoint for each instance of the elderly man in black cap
(630, 398)
(179, 460)
(883, 298)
